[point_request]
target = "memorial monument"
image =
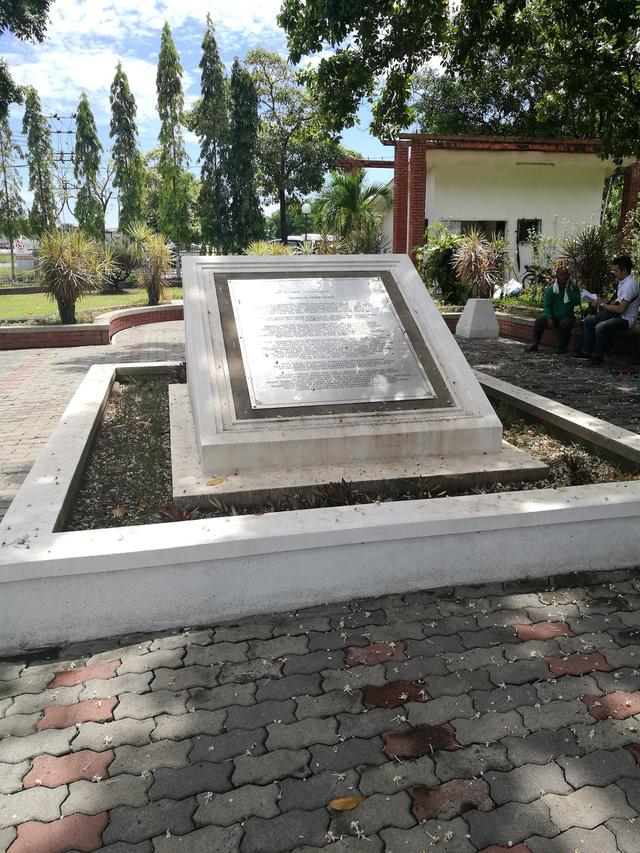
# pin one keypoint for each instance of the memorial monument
(310, 369)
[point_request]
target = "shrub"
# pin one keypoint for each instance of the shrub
(435, 263)
(480, 263)
(72, 265)
(154, 258)
(125, 262)
(587, 254)
(264, 247)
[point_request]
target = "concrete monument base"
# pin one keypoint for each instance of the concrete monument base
(478, 320)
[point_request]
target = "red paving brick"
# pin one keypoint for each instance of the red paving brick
(450, 800)
(51, 771)
(75, 832)
(71, 677)
(578, 664)
(618, 705)
(634, 749)
(91, 710)
(420, 741)
(519, 848)
(376, 653)
(393, 695)
(543, 631)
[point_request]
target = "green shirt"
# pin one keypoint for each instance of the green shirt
(554, 304)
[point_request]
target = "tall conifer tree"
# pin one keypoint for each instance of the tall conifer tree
(13, 214)
(88, 209)
(127, 160)
(42, 216)
(173, 208)
(212, 128)
(246, 218)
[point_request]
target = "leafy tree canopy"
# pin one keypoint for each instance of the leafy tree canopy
(128, 167)
(27, 20)
(42, 216)
(573, 64)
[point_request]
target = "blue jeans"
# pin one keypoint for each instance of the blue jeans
(598, 331)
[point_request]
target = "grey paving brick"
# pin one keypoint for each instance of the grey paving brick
(458, 683)
(300, 734)
(317, 791)
(6, 837)
(329, 640)
(14, 750)
(488, 728)
(504, 618)
(440, 710)
(567, 687)
(487, 637)
(104, 688)
(519, 672)
(170, 658)
(354, 678)
(19, 725)
(249, 629)
(145, 705)
(505, 698)
(555, 715)
(216, 698)
(11, 776)
(209, 839)
(626, 656)
(531, 650)
(450, 836)
(30, 681)
(463, 606)
(449, 625)
(237, 805)
(622, 679)
(600, 840)
(601, 767)
(359, 618)
(474, 659)
(415, 669)
(373, 814)
(279, 647)
(215, 655)
(514, 601)
(262, 714)
(292, 685)
(526, 783)
(631, 787)
(414, 612)
(541, 747)
(94, 797)
(587, 643)
(296, 625)
(186, 677)
(470, 761)
(370, 844)
(159, 817)
(112, 651)
(395, 631)
(345, 756)
(606, 734)
(394, 776)
(329, 704)
(189, 725)
(242, 673)
(313, 662)
(176, 784)
(142, 759)
(263, 769)
(42, 804)
(509, 824)
(201, 637)
(100, 736)
(30, 703)
(625, 832)
(588, 807)
(555, 612)
(225, 746)
(10, 671)
(5, 704)
(281, 834)
(434, 645)
(373, 722)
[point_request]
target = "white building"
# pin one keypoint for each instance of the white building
(504, 185)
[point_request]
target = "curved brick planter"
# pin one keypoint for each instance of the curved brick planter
(98, 333)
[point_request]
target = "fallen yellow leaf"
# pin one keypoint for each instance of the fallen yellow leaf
(215, 481)
(119, 511)
(345, 804)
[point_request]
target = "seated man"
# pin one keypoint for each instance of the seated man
(613, 316)
(560, 298)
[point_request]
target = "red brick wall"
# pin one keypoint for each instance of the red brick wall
(417, 195)
(400, 196)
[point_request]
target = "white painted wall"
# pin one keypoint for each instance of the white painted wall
(563, 190)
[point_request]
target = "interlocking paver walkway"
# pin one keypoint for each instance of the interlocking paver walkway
(490, 718)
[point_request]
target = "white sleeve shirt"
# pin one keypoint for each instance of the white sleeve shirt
(628, 289)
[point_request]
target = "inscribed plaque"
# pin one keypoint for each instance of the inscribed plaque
(311, 341)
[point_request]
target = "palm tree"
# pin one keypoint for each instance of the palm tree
(353, 210)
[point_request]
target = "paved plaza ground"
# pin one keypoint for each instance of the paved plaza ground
(486, 718)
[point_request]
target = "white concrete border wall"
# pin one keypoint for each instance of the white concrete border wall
(61, 587)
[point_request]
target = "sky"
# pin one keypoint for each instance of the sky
(86, 38)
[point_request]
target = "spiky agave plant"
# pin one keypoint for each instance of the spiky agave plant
(157, 262)
(264, 247)
(72, 265)
(473, 263)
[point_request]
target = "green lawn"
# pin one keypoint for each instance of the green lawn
(32, 306)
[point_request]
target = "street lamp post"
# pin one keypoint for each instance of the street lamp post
(306, 209)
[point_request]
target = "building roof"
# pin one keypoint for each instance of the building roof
(499, 143)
